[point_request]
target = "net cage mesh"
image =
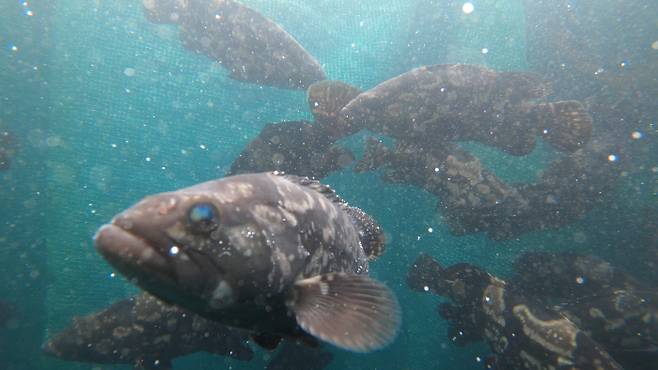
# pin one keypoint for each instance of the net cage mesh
(118, 109)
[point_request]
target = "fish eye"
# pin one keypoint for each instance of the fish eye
(203, 217)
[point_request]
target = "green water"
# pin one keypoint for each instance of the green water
(94, 137)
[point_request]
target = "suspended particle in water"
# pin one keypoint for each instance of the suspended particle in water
(174, 250)
(485, 50)
(468, 8)
(14, 48)
(426, 288)
(430, 230)
(654, 45)
(130, 72)
(636, 135)
(612, 157)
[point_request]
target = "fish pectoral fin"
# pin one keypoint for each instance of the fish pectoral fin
(353, 312)
(266, 340)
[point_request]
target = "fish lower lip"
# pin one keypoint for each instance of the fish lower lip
(130, 254)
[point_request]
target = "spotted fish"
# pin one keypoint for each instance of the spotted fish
(467, 102)
(280, 255)
(252, 47)
(614, 308)
(521, 333)
(147, 333)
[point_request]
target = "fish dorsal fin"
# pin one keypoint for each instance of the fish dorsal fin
(316, 185)
(353, 312)
(370, 233)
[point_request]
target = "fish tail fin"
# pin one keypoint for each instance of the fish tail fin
(566, 125)
(374, 156)
(424, 274)
(371, 234)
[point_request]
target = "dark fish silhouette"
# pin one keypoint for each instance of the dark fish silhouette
(299, 147)
(7, 313)
(7, 149)
(460, 102)
(615, 309)
(250, 46)
(522, 333)
(280, 255)
(299, 357)
(147, 333)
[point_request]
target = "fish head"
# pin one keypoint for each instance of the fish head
(80, 342)
(195, 247)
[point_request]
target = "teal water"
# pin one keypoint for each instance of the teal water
(108, 108)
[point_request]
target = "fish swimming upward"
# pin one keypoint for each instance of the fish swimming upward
(280, 255)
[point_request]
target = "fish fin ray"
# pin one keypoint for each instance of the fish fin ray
(328, 307)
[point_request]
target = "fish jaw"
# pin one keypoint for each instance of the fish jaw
(134, 257)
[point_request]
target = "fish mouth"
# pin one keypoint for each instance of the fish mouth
(133, 256)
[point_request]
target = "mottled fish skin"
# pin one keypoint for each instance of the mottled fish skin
(458, 102)
(471, 198)
(296, 147)
(567, 275)
(264, 234)
(615, 309)
(522, 333)
(145, 332)
(250, 46)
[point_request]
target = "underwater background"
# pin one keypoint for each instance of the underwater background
(107, 107)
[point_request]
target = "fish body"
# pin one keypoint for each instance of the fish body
(459, 102)
(295, 147)
(145, 332)
(252, 47)
(299, 147)
(275, 254)
(614, 308)
(522, 333)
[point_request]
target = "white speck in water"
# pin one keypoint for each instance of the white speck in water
(468, 8)
(443, 89)
(485, 50)
(14, 48)
(29, 13)
(202, 146)
(148, 159)
(426, 288)
(353, 45)
(599, 71)
(418, 237)
(580, 280)
(654, 45)
(113, 145)
(112, 275)
(478, 359)
(174, 250)
(636, 135)
(361, 24)
(130, 72)
(612, 157)
(545, 131)
(430, 230)
(487, 299)
(436, 169)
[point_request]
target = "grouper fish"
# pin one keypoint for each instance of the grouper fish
(279, 255)
(146, 333)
